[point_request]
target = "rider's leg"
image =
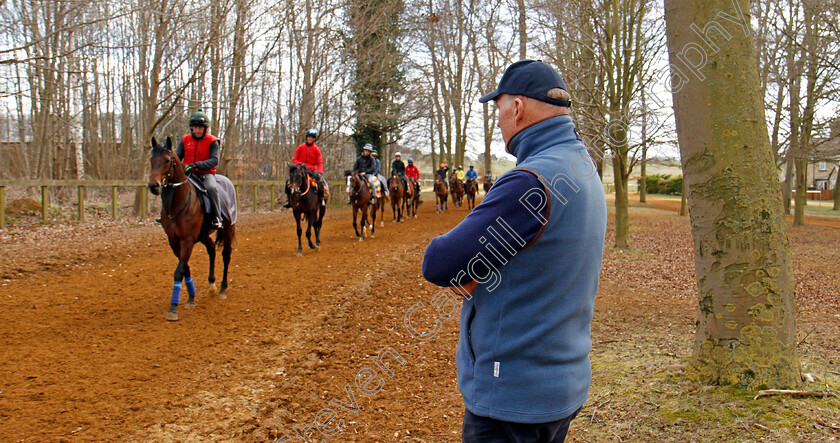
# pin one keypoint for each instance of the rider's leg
(209, 181)
(383, 183)
(323, 190)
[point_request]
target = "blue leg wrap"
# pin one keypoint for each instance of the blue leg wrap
(176, 293)
(190, 286)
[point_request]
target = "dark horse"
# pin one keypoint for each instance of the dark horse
(441, 197)
(488, 183)
(411, 199)
(456, 188)
(397, 190)
(471, 188)
(360, 199)
(304, 201)
(185, 223)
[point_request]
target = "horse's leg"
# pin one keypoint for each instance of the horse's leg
(228, 234)
(364, 219)
(211, 253)
(373, 210)
(180, 270)
(355, 228)
(299, 231)
(310, 220)
(321, 211)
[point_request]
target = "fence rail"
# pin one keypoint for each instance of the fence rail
(115, 185)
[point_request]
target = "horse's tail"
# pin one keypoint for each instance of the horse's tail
(220, 236)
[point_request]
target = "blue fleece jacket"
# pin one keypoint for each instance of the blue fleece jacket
(523, 351)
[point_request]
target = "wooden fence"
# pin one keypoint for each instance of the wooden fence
(140, 185)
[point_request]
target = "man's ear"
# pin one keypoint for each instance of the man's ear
(518, 109)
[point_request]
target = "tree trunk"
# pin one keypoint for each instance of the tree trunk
(620, 175)
(801, 192)
(746, 316)
(523, 30)
(787, 184)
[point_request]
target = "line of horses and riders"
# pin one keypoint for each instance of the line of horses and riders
(196, 201)
(459, 184)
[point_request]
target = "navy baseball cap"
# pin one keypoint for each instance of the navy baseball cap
(531, 78)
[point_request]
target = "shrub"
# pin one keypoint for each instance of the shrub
(663, 184)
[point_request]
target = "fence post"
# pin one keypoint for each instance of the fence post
(144, 203)
(81, 203)
(44, 203)
(2, 207)
(271, 199)
(255, 198)
(113, 202)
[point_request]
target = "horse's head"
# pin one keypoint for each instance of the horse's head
(394, 181)
(297, 178)
(164, 165)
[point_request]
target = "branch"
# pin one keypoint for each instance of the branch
(773, 392)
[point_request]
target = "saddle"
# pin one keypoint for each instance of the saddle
(201, 191)
(227, 197)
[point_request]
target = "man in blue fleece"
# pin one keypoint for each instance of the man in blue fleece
(526, 263)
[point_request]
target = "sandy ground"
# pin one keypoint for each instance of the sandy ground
(86, 354)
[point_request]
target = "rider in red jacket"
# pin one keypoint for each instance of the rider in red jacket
(412, 172)
(309, 155)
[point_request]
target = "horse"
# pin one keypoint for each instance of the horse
(397, 190)
(304, 201)
(186, 223)
(441, 196)
(360, 194)
(456, 188)
(471, 188)
(488, 183)
(411, 198)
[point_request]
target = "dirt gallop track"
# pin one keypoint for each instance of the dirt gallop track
(86, 353)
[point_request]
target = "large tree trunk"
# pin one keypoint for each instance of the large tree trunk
(746, 316)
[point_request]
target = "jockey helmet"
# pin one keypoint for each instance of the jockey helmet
(199, 118)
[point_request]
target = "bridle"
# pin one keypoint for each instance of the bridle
(306, 179)
(165, 184)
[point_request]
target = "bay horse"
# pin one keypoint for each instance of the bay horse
(411, 198)
(471, 188)
(185, 223)
(441, 196)
(360, 194)
(305, 202)
(397, 190)
(456, 188)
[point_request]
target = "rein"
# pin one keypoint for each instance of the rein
(308, 184)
